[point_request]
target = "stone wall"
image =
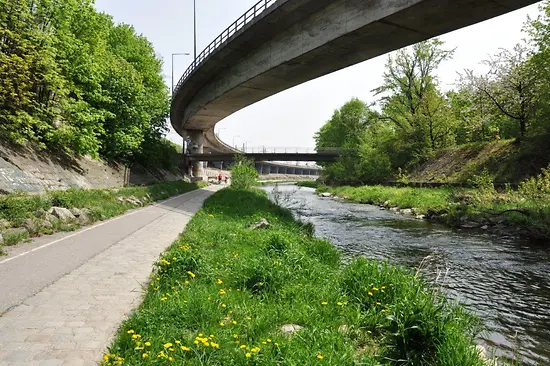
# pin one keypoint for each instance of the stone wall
(35, 171)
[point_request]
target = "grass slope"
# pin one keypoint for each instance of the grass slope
(506, 161)
(220, 294)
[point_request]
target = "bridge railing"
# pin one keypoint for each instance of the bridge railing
(285, 150)
(246, 18)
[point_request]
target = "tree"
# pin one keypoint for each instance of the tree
(539, 63)
(71, 79)
(411, 99)
(510, 85)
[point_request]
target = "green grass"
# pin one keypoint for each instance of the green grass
(482, 205)
(102, 203)
(308, 184)
(220, 294)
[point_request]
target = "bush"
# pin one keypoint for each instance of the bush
(243, 174)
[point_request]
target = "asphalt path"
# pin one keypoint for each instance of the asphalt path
(32, 266)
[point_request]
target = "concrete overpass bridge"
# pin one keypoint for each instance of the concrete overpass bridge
(278, 44)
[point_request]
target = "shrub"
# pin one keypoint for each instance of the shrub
(536, 187)
(243, 174)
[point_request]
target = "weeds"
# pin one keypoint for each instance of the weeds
(232, 289)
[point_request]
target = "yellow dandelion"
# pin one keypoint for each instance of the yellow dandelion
(248, 355)
(243, 346)
(220, 281)
(168, 345)
(186, 349)
(163, 298)
(324, 303)
(145, 355)
(269, 340)
(370, 293)
(339, 303)
(191, 274)
(320, 356)
(131, 331)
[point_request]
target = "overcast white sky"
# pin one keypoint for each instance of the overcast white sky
(291, 117)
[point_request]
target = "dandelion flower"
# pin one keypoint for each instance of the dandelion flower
(131, 331)
(145, 355)
(248, 355)
(168, 345)
(320, 356)
(220, 281)
(148, 344)
(324, 303)
(191, 274)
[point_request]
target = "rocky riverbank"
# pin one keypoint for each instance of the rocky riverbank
(458, 208)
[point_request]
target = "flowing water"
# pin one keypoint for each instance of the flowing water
(505, 281)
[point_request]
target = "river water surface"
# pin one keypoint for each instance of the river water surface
(505, 281)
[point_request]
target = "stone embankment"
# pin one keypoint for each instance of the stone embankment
(498, 224)
(34, 171)
(53, 220)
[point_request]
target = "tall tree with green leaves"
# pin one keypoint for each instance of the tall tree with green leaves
(411, 99)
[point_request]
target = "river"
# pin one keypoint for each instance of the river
(505, 281)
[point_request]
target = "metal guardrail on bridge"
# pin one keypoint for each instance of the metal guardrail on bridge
(246, 18)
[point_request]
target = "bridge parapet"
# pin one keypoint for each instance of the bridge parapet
(251, 14)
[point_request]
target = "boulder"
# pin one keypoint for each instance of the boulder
(61, 213)
(121, 199)
(484, 227)
(407, 211)
(32, 226)
(83, 219)
(46, 224)
(39, 213)
(290, 329)
(387, 204)
(260, 224)
(394, 209)
(76, 211)
(4, 224)
(51, 218)
(326, 194)
(1, 241)
(470, 225)
(420, 217)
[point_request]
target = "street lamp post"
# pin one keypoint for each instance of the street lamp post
(234, 140)
(195, 28)
(176, 54)
(219, 130)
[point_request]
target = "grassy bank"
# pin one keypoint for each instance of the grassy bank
(25, 211)
(308, 184)
(505, 212)
(506, 161)
(221, 294)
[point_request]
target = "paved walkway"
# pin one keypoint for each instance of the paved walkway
(72, 318)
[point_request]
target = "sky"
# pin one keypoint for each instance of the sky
(291, 118)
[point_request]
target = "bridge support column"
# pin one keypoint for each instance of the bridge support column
(197, 147)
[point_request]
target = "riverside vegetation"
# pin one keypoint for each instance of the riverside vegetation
(23, 215)
(227, 294)
(493, 127)
(525, 211)
(74, 82)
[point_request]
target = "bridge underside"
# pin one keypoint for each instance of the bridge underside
(325, 157)
(299, 40)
